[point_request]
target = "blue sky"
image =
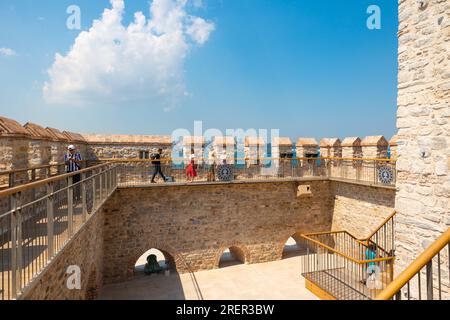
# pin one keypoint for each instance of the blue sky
(308, 68)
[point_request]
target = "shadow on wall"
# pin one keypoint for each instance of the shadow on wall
(160, 281)
(294, 247)
(232, 256)
(364, 194)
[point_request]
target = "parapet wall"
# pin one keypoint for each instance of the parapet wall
(33, 145)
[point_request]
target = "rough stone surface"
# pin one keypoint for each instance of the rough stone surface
(423, 182)
(196, 224)
(360, 209)
(85, 250)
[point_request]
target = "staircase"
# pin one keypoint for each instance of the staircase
(339, 266)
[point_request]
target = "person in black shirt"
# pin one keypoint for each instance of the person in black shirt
(157, 166)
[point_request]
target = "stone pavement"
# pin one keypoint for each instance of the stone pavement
(266, 281)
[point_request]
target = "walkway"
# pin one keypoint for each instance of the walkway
(279, 280)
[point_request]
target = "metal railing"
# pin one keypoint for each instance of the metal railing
(383, 238)
(427, 278)
(42, 217)
(351, 268)
(16, 177)
(381, 172)
(344, 266)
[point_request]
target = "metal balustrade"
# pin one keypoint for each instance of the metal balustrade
(42, 217)
(427, 278)
(380, 172)
(16, 177)
(348, 268)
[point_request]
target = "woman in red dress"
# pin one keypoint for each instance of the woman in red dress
(191, 173)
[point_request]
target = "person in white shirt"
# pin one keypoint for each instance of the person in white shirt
(212, 157)
(223, 157)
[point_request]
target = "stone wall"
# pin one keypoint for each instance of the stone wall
(194, 224)
(199, 222)
(360, 209)
(423, 181)
(125, 146)
(85, 250)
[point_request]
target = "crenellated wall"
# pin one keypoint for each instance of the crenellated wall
(32, 145)
(126, 146)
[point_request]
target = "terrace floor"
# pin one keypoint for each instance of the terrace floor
(279, 280)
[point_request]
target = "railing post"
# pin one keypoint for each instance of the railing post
(50, 221)
(108, 178)
(70, 205)
(430, 280)
(83, 197)
(94, 191)
(11, 179)
(13, 246)
(16, 245)
(101, 185)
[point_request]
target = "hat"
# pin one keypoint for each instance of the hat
(71, 147)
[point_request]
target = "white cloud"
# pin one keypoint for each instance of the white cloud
(199, 30)
(7, 52)
(142, 62)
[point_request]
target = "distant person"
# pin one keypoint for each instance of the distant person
(73, 161)
(152, 266)
(212, 157)
(191, 172)
(370, 254)
(156, 161)
(223, 157)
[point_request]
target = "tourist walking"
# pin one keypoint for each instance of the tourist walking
(191, 172)
(223, 157)
(212, 157)
(73, 161)
(156, 161)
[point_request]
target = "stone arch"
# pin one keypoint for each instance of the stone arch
(296, 235)
(238, 251)
(175, 262)
(91, 292)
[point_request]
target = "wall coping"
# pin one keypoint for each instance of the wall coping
(282, 141)
(330, 142)
(124, 139)
(12, 128)
(37, 132)
(307, 142)
(374, 141)
(56, 134)
(351, 142)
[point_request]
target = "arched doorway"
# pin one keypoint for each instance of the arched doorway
(293, 247)
(232, 256)
(165, 261)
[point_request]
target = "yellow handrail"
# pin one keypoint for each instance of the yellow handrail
(397, 284)
(43, 182)
(320, 244)
(379, 227)
(45, 166)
